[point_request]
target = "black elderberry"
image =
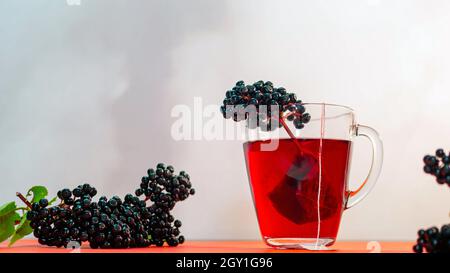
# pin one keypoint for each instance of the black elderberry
(112, 203)
(433, 240)
(440, 153)
(298, 123)
(144, 186)
(86, 215)
(69, 201)
(93, 192)
(74, 232)
(172, 241)
(84, 236)
(263, 98)
(446, 160)
(86, 188)
(159, 243)
(139, 192)
(77, 192)
(159, 171)
(43, 203)
(65, 194)
(95, 220)
(43, 212)
(91, 230)
(427, 169)
(116, 228)
(438, 166)
(31, 215)
(418, 248)
(35, 206)
(177, 223)
(64, 232)
(176, 232)
(306, 118)
(128, 198)
(430, 160)
(86, 203)
(113, 223)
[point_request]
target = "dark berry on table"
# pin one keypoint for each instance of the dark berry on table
(172, 241)
(418, 248)
(113, 223)
(433, 240)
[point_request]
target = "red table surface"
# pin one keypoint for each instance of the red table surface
(31, 246)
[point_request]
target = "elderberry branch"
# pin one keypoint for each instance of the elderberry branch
(21, 197)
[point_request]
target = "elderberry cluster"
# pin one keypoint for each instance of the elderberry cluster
(433, 240)
(164, 188)
(105, 224)
(438, 166)
(114, 223)
(263, 105)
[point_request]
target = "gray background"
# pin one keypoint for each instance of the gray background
(86, 94)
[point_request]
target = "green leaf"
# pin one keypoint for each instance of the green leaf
(22, 230)
(53, 200)
(38, 192)
(7, 208)
(7, 223)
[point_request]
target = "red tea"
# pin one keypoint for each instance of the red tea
(285, 184)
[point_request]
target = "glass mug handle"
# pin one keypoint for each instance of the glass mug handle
(354, 197)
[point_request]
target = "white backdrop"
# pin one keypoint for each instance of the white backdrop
(86, 93)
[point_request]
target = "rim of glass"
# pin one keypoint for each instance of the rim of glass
(329, 104)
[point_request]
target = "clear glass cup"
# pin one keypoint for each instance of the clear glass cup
(299, 178)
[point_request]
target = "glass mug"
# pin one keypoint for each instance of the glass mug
(299, 178)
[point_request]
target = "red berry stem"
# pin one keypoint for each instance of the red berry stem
(62, 205)
(291, 135)
(21, 197)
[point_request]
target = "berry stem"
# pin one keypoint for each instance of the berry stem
(21, 197)
(63, 205)
(291, 135)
